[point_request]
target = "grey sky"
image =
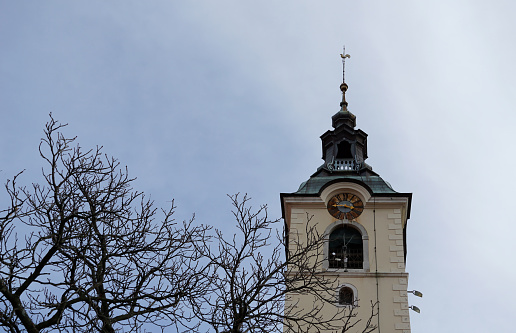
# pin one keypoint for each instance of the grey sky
(204, 98)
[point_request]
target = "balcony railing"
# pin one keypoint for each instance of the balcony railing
(347, 164)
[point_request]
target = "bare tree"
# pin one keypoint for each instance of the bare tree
(86, 252)
(251, 276)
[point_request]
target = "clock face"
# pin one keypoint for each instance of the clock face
(345, 206)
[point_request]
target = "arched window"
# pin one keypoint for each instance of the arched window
(344, 150)
(346, 296)
(346, 248)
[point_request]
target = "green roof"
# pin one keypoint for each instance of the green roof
(317, 182)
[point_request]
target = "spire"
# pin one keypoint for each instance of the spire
(344, 148)
(343, 104)
(343, 116)
(344, 86)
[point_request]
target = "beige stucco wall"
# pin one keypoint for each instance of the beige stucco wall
(382, 221)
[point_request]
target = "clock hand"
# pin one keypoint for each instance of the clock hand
(346, 206)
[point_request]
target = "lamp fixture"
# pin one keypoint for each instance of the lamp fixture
(416, 293)
(415, 308)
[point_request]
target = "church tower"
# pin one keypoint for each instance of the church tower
(363, 220)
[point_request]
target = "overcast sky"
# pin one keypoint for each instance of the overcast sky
(206, 98)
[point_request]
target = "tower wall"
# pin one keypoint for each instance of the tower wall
(382, 280)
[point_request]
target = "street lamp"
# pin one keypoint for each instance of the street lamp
(415, 308)
(416, 293)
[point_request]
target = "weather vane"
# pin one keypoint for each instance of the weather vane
(344, 86)
(343, 55)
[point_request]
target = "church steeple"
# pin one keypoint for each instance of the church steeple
(344, 148)
(363, 220)
(344, 151)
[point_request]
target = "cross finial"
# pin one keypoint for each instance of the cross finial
(344, 86)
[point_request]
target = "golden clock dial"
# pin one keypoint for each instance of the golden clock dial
(345, 206)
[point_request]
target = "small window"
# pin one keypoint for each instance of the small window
(346, 296)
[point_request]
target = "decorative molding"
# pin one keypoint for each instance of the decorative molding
(348, 187)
